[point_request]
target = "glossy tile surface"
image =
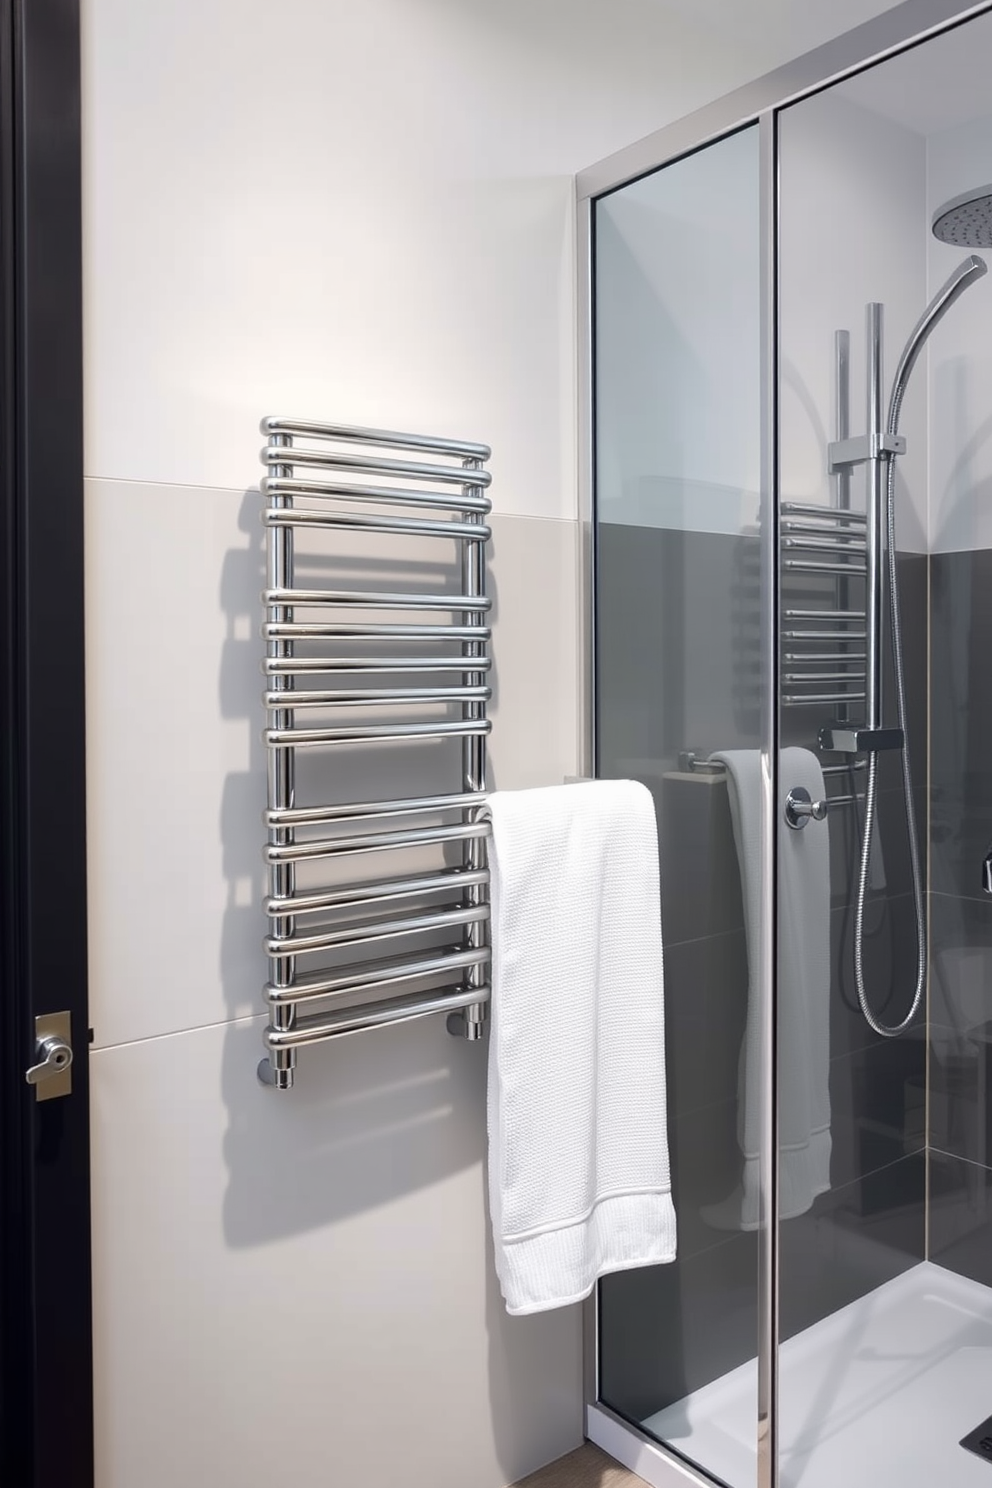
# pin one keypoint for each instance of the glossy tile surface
(260, 1259)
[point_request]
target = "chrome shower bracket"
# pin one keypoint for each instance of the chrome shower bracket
(845, 738)
(843, 454)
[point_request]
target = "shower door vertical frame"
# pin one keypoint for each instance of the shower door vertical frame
(767, 959)
(761, 103)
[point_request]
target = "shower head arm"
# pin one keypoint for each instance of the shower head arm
(965, 274)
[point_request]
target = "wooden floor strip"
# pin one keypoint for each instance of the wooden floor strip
(586, 1468)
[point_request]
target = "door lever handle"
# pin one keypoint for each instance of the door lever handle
(51, 1073)
(54, 1055)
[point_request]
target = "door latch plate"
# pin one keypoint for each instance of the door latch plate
(54, 1082)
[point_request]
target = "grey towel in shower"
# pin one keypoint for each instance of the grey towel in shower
(803, 991)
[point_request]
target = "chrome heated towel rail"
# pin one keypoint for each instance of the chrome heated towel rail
(398, 683)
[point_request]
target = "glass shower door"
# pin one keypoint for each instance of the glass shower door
(682, 595)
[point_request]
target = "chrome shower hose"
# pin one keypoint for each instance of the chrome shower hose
(871, 793)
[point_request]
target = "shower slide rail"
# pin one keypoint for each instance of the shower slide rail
(361, 677)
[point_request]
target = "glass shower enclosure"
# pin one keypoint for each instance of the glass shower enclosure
(788, 421)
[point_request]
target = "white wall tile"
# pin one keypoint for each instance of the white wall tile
(298, 1288)
(853, 201)
(960, 359)
(176, 769)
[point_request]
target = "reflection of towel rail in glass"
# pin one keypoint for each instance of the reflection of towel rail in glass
(691, 764)
(305, 621)
(824, 644)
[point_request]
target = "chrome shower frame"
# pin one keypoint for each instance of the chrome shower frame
(897, 30)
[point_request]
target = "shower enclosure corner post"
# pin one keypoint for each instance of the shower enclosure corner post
(586, 632)
(875, 524)
(767, 1425)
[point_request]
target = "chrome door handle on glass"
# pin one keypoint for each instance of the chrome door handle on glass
(800, 808)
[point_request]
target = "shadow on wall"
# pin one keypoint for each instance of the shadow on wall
(375, 1115)
(379, 1119)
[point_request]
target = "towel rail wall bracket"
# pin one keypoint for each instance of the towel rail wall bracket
(357, 652)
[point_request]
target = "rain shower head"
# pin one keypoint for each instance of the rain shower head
(966, 221)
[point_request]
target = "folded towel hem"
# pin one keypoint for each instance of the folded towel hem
(553, 1226)
(561, 1267)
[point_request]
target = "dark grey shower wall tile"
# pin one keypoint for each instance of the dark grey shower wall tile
(877, 1106)
(889, 965)
(960, 836)
(961, 1092)
(960, 961)
(890, 872)
(706, 1174)
(678, 630)
(852, 1240)
(960, 677)
(961, 1216)
(706, 991)
(668, 1330)
(700, 873)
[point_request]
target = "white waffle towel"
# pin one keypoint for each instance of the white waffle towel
(579, 1181)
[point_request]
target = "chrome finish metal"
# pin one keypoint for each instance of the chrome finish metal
(366, 976)
(822, 657)
(345, 920)
(376, 930)
(294, 738)
(964, 275)
(987, 872)
(336, 847)
(51, 1073)
(966, 220)
(382, 891)
(298, 665)
(842, 413)
(800, 808)
(876, 517)
(821, 699)
(411, 526)
(351, 434)
(766, 961)
(834, 616)
(844, 542)
(380, 697)
(825, 635)
(792, 678)
(838, 738)
(829, 514)
(353, 632)
(312, 598)
(319, 816)
(814, 565)
(359, 464)
(272, 485)
(842, 454)
(318, 1028)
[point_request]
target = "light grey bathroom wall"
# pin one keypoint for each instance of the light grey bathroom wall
(359, 213)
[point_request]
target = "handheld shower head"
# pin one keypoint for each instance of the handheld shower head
(966, 273)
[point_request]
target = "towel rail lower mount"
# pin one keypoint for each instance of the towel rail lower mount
(408, 691)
